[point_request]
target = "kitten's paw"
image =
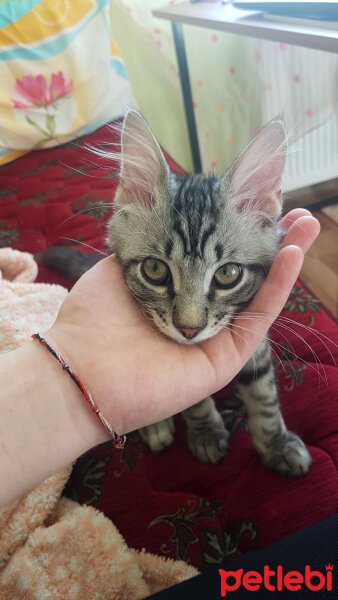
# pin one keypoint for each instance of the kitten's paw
(289, 458)
(159, 435)
(209, 445)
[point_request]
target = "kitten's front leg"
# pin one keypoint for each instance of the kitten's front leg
(206, 434)
(280, 449)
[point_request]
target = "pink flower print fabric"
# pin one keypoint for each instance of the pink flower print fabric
(37, 91)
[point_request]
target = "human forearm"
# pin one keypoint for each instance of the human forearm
(45, 422)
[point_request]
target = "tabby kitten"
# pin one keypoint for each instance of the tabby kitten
(194, 250)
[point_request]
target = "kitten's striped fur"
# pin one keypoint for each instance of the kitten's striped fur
(196, 224)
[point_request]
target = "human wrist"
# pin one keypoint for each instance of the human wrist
(80, 414)
(44, 423)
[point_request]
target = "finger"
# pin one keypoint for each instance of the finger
(292, 216)
(269, 301)
(302, 233)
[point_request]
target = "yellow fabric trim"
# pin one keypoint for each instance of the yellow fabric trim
(12, 156)
(46, 19)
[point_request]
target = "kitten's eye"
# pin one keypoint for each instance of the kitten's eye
(155, 271)
(228, 275)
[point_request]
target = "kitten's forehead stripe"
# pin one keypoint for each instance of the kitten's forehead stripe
(177, 228)
(218, 251)
(180, 194)
(195, 213)
(211, 229)
(168, 248)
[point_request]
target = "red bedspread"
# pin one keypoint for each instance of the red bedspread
(168, 503)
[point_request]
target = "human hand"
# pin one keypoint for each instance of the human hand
(136, 375)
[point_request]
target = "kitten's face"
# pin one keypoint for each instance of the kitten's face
(191, 262)
(193, 252)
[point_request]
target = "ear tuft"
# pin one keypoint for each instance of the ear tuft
(257, 175)
(143, 165)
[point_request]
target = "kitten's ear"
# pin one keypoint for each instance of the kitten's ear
(257, 175)
(143, 165)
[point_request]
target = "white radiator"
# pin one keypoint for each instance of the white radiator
(314, 158)
(302, 85)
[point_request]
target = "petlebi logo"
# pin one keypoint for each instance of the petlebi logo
(276, 580)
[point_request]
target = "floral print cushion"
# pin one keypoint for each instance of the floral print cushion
(61, 73)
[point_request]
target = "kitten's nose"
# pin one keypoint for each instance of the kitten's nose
(189, 332)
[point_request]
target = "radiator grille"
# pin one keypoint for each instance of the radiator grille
(314, 158)
(302, 85)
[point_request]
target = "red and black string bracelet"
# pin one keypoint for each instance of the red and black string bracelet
(118, 440)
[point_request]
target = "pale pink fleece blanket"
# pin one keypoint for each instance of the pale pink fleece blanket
(51, 547)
